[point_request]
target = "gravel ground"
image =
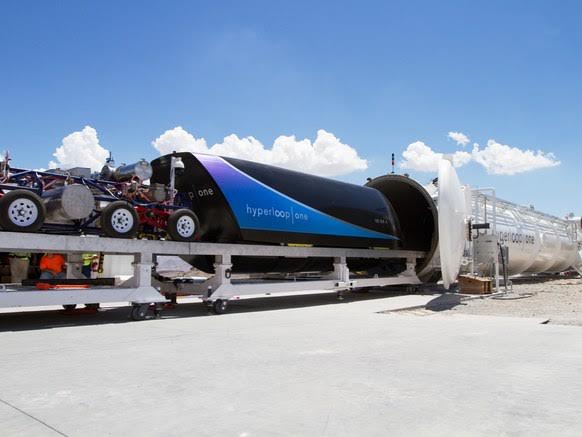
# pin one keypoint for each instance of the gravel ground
(558, 300)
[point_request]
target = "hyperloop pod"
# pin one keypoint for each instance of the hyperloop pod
(240, 201)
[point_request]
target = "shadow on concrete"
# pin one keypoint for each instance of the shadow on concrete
(58, 318)
(444, 302)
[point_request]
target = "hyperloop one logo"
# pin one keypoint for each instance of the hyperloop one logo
(289, 215)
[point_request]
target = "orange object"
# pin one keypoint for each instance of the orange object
(53, 262)
(47, 286)
(70, 286)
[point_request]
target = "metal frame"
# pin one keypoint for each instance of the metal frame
(476, 195)
(103, 191)
(142, 289)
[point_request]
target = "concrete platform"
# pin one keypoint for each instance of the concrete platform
(275, 368)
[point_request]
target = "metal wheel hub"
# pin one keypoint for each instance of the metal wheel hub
(186, 226)
(122, 221)
(23, 212)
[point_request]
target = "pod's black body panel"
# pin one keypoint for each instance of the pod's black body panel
(239, 201)
(242, 201)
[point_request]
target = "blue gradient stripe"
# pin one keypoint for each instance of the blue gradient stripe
(257, 206)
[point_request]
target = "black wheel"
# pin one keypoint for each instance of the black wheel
(92, 306)
(219, 306)
(69, 307)
(140, 312)
(119, 220)
(21, 211)
(183, 225)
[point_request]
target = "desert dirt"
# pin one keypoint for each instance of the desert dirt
(556, 300)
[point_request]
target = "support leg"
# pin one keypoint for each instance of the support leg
(341, 272)
(410, 267)
(142, 280)
(75, 266)
(75, 271)
(219, 287)
(142, 270)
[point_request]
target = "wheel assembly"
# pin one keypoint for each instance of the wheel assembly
(21, 211)
(119, 220)
(219, 306)
(140, 312)
(183, 225)
(143, 311)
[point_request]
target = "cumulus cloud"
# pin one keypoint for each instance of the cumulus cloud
(461, 158)
(80, 149)
(503, 159)
(496, 158)
(420, 157)
(326, 156)
(244, 148)
(460, 138)
(179, 140)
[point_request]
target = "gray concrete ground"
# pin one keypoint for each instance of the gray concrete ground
(282, 367)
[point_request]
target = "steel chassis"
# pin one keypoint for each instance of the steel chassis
(107, 191)
(144, 291)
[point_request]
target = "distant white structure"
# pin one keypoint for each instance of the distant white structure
(536, 242)
(530, 241)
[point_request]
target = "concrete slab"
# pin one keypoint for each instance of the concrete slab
(336, 370)
(18, 423)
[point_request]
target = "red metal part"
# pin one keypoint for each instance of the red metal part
(155, 217)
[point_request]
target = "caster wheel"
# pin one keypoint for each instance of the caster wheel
(140, 312)
(70, 307)
(219, 306)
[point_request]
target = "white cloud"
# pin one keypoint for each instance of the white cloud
(418, 156)
(80, 149)
(244, 148)
(496, 158)
(461, 158)
(503, 159)
(326, 156)
(179, 140)
(460, 138)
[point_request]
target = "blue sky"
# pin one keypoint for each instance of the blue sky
(378, 75)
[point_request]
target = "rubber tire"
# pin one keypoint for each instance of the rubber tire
(69, 307)
(108, 212)
(10, 197)
(172, 227)
(219, 306)
(140, 312)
